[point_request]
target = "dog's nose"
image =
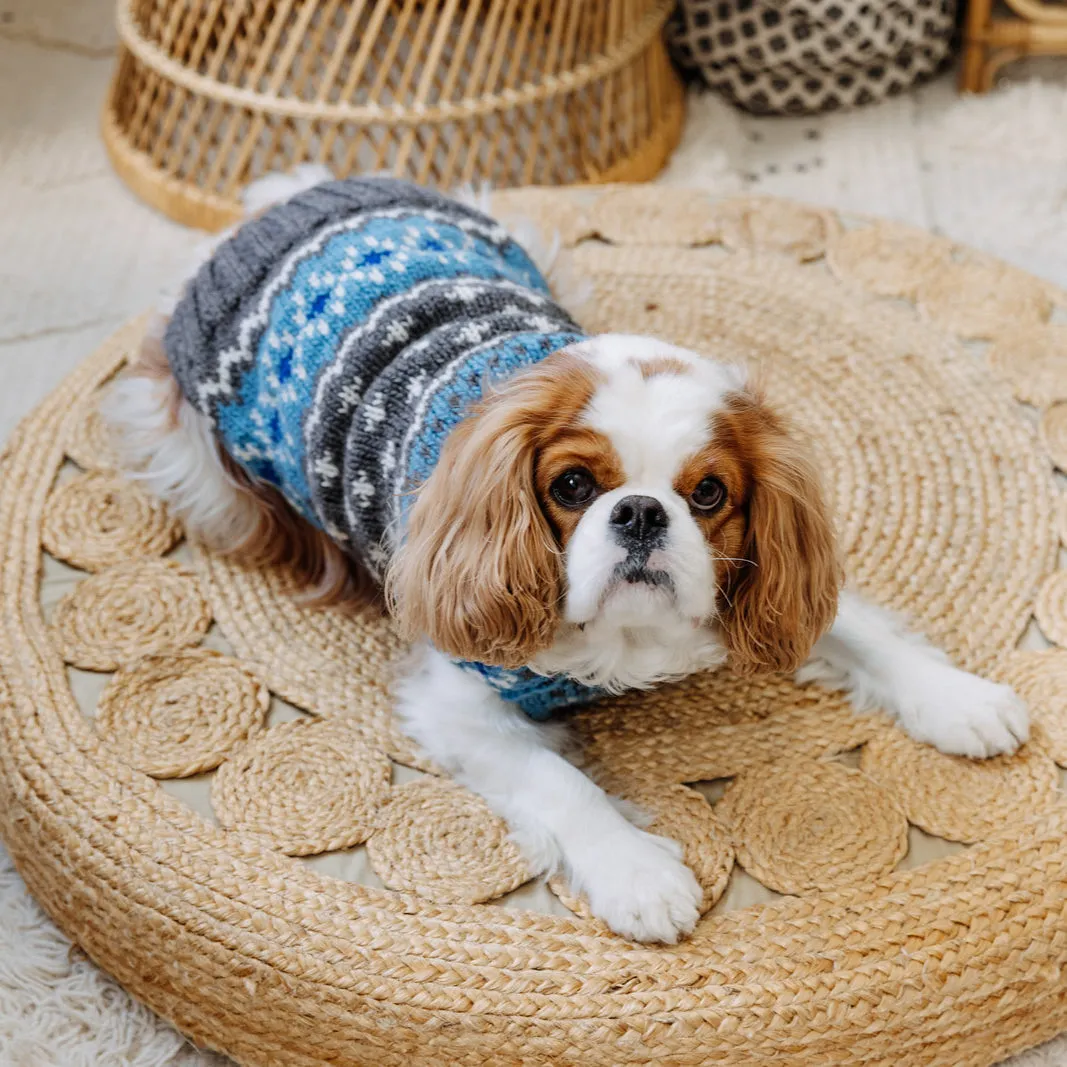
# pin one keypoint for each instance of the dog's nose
(638, 518)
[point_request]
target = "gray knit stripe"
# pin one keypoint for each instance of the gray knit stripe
(215, 328)
(375, 435)
(373, 351)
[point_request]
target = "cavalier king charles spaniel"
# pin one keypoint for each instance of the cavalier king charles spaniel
(373, 385)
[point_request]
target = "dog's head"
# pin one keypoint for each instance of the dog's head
(618, 481)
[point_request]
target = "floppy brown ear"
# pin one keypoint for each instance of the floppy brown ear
(480, 572)
(784, 596)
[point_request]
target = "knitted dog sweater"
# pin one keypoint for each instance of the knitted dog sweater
(336, 341)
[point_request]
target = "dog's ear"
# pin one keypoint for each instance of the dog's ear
(479, 571)
(783, 597)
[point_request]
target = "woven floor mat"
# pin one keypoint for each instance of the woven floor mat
(188, 758)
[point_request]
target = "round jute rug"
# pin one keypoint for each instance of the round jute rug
(202, 782)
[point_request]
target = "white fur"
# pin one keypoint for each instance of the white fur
(179, 464)
(870, 654)
(636, 882)
(616, 635)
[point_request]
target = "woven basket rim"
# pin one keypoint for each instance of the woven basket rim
(550, 85)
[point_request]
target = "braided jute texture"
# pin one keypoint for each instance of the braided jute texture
(89, 440)
(129, 611)
(439, 841)
(947, 509)
(796, 825)
(309, 786)
(172, 716)
(97, 520)
(1041, 679)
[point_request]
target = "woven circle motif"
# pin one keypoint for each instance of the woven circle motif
(1040, 678)
(327, 662)
(1061, 517)
(130, 611)
(97, 520)
(90, 444)
(980, 299)
(804, 825)
(759, 225)
(957, 798)
(683, 815)
(307, 786)
(1050, 609)
(888, 259)
(1054, 432)
(441, 842)
(173, 716)
(1034, 361)
(680, 216)
(718, 725)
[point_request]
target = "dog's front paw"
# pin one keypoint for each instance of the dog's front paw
(965, 715)
(637, 883)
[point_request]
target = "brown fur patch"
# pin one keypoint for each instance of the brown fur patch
(480, 573)
(577, 447)
(649, 368)
(782, 594)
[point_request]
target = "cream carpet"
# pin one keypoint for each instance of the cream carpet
(79, 255)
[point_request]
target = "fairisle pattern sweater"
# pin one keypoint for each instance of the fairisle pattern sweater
(339, 338)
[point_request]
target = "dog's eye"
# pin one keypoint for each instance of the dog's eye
(574, 488)
(709, 495)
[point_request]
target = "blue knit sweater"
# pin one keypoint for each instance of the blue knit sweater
(338, 339)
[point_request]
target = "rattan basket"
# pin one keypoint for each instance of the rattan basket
(209, 94)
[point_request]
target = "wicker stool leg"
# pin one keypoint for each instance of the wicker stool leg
(975, 52)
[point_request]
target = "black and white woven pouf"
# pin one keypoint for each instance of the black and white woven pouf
(778, 57)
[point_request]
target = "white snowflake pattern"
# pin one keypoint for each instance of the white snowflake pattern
(350, 394)
(473, 332)
(541, 323)
(326, 469)
(362, 489)
(374, 412)
(398, 331)
(416, 386)
(466, 293)
(389, 457)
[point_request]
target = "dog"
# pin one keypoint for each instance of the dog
(374, 385)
